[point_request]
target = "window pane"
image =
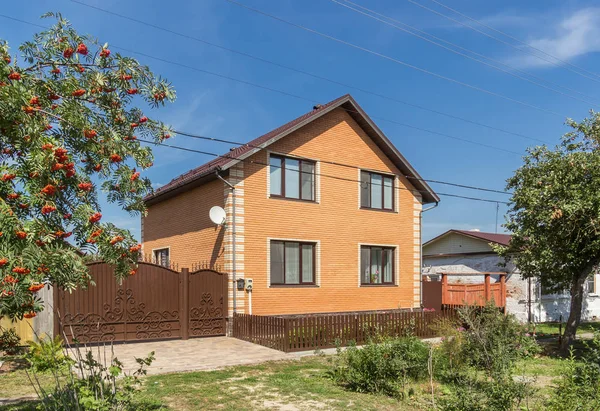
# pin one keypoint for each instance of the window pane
(376, 189)
(590, 284)
(308, 180)
(275, 183)
(307, 263)
(365, 253)
(388, 193)
(292, 263)
(388, 260)
(292, 178)
(161, 257)
(365, 189)
(376, 269)
(276, 262)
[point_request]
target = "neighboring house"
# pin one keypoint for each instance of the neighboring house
(460, 251)
(327, 217)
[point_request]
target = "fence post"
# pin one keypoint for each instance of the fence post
(444, 288)
(286, 334)
(184, 285)
(503, 291)
(488, 292)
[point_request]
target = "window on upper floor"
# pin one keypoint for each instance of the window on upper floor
(161, 256)
(376, 191)
(292, 263)
(292, 178)
(376, 265)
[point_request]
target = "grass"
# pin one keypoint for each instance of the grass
(293, 385)
(553, 328)
(289, 385)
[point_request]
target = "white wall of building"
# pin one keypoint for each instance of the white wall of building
(543, 307)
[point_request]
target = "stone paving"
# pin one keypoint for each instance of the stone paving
(192, 355)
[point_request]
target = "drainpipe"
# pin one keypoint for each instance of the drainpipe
(233, 232)
(421, 253)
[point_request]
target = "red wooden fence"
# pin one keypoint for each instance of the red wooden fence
(317, 331)
(455, 295)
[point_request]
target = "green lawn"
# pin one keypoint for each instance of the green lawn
(287, 385)
(553, 328)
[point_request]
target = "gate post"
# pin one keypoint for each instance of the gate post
(184, 292)
(488, 293)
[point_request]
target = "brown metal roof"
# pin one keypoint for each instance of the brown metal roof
(501, 239)
(207, 171)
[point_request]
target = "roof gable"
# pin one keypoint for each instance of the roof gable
(207, 171)
(463, 241)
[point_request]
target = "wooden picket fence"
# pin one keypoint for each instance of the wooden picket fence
(309, 332)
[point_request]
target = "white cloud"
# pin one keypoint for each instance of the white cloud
(573, 36)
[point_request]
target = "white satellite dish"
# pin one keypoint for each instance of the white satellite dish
(217, 215)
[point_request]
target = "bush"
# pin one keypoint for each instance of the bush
(578, 387)
(493, 341)
(94, 385)
(383, 365)
(10, 342)
(46, 354)
(472, 393)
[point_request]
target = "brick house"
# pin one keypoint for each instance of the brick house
(327, 216)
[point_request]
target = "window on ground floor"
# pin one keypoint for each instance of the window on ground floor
(376, 265)
(292, 263)
(161, 257)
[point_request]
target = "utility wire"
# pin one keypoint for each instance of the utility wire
(515, 39)
(187, 134)
(315, 173)
(297, 96)
(462, 23)
(319, 77)
(388, 21)
(220, 140)
(394, 60)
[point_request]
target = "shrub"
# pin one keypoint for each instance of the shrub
(10, 342)
(472, 393)
(383, 365)
(578, 387)
(493, 341)
(46, 354)
(94, 385)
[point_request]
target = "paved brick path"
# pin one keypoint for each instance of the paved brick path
(194, 354)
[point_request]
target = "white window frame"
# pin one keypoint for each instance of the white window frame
(154, 259)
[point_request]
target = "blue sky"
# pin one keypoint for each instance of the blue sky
(218, 107)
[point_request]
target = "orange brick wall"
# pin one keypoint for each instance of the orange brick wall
(182, 223)
(335, 221)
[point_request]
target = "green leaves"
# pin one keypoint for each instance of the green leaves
(68, 126)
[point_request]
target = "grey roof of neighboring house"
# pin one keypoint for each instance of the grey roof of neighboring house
(205, 172)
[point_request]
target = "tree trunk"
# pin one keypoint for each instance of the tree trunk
(577, 294)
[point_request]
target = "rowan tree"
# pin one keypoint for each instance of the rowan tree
(554, 216)
(68, 131)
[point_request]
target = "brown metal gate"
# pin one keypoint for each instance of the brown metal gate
(156, 303)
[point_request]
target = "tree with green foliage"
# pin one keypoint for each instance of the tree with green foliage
(554, 216)
(68, 129)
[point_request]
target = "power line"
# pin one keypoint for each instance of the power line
(315, 173)
(220, 140)
(516, 39)
(300, 97)
(395, 60)
(415, 31)
(416, 3)
(263, 60)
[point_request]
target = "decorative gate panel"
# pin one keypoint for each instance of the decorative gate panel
(156, 303)
(145, 306)
(207, 303)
